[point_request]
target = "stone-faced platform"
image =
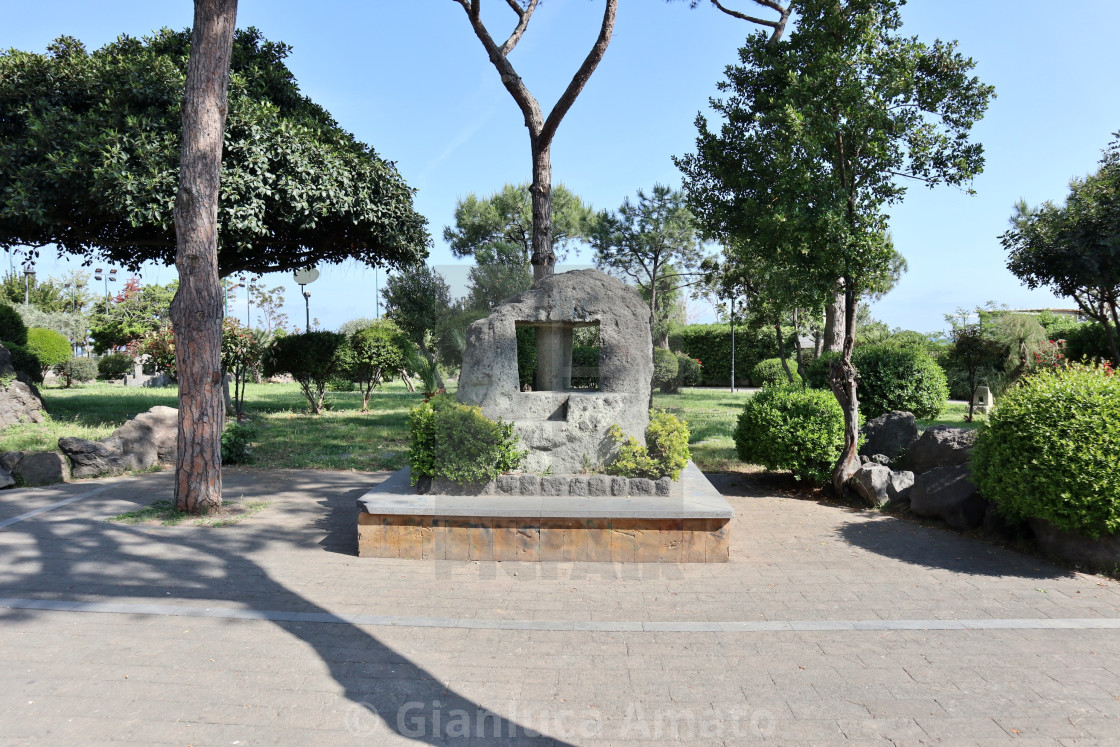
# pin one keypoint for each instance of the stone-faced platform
(688, 526)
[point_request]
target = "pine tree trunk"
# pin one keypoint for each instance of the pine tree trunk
(543, 259)
(196, 312)
(842, 380)
(834, 324)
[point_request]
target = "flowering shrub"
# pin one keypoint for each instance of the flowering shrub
(1050, 355)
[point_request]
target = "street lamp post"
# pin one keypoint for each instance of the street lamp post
(28, 273)
(303, 278)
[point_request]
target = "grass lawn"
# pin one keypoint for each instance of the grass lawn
(344, 438)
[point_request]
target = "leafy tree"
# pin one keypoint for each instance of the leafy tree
(500, 272)
(1074, 248)
(45, 295)
(134, 312)
(78, 369)
(296, 189)
(312, 359)
(972, 350)
(242, 352)
(542, 129)
(375, 354)
(417, 301)
(50, 347)
(269, 302)
(822, 131)
(652, 242)
(506, 218)
(13, 330)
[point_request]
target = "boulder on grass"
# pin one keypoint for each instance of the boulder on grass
(140, 444)
(34, 468)
(948, 493)
(940, 446)
(92, 458)
(19, 399)
(890, 434)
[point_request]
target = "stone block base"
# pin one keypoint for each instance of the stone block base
(543, 539)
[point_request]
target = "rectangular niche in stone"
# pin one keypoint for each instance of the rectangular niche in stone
(558, 356)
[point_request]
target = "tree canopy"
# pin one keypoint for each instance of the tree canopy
(822, 130)
(1074, 248)
(89, 161)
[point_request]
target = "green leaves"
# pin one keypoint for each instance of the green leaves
(89, 160)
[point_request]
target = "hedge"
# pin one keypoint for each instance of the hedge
(711, 345)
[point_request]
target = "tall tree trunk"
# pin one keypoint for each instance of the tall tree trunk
(543, 259)
(797, 344)
(196, 312)
(842, 380)
(834, 324)
(782, 349)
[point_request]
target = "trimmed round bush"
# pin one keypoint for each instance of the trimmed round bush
(899, 378)
(26, 362)
(77, 369)
(1049, 451)
(689, 370)
(12, 328)
(770, 372)
(50, 347)
(792, 428)
(665, 453)
(665, 368)
(114, 366)
(459, 443)
(816, 372)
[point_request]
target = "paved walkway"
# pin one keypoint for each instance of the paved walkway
(828, 625)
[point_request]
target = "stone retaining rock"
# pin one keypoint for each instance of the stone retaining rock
(33, 468)
(879, 485)
(940, 446)
(948, 493)
(19, 399)
(890, 434)
(550, 485)
(1102, 552)
(148, 439)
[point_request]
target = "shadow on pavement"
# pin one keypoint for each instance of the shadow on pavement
(84, 555)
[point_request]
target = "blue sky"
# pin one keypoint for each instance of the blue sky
(409, 78)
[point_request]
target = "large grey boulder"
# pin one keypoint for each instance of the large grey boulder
(879, 485)
(19, 400)
(940, 446)
(36, 467)
(948, 493)
(1101, 552)
(143, 442)
(890, 434)
(564, 429)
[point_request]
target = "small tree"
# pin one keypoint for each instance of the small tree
(312, 359)
(50, 347)
(374, 355)
(418, 300)
(973, 349)
(242, 350)
(77, 369)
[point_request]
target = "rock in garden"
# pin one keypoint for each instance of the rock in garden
(6, 479)
(41, 468)
(871, 481)
(1101, 552)
(948, 493)
(891, 434)
(898, 488)
(19, 401)
(940, 446)
(882, 459)
(92, 458)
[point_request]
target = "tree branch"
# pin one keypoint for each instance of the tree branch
(522, 22)
(579, 80)
(779, 26)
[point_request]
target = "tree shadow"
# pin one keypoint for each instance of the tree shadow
(391, 695)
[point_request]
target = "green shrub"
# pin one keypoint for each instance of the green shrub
(665, 452)
(50, 347)
(26, 362)
(770, 372)
(792, 428)
(457, 442)
(77, 369)
(816, 371)
(1049, 451)
(313, 359)
(899, 378)
(526, 356)
(664, 369)
(12, 328)
(690, 372)
(237, 440)
(585, 357)
(114, 366)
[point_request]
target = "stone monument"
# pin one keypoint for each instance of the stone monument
(564, 429)
(982, 400)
